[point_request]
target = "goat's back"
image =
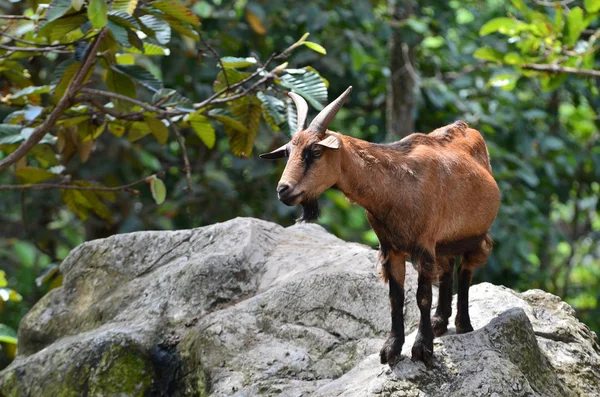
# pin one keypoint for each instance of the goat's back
(460, 136)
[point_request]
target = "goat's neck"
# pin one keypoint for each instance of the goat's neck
(363, 176)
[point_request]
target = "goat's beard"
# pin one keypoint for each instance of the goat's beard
(310, 211)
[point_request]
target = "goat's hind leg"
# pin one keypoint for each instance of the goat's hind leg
(439, 322)
(470, 261)
(393, 271)
(422, 350)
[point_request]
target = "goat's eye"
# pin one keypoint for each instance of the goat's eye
(317, 152)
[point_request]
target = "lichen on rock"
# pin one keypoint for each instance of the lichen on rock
(247, 307)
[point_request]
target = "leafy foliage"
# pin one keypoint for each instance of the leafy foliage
(473, 63)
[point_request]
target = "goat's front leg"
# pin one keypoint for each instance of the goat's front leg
(394, 267)
(439, 322)
(423, 348)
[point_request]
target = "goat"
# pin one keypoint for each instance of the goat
(431, 197)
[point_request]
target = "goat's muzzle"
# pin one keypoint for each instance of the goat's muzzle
(288, 195)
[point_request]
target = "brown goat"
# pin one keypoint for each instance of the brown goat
(430, 197)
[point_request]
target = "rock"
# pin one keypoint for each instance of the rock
(248, 308)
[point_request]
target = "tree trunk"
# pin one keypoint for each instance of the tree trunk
(403, 80)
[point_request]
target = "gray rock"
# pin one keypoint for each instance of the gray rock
(248, 308)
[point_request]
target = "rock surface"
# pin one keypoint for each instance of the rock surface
(247, 308)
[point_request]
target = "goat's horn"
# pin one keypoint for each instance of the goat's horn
(301, 110)
(325, 117)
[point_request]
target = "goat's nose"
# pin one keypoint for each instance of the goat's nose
(282, 188)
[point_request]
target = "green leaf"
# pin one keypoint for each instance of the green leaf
(58, 29)
(464, 16)
(158, 189)
(138, 130)
(7, 294)
(273, 110)
(134, 40)
(315, 47)
(506, 81)
(33, 90)
(127, 6)
(120, 33)
(71, 121)
(591, 5)
(512, 58)
(45, 156)
(3, 282)
(149, 49)
(8, 335)
(308, 84)
(433, 42)
(97, 13)
(85, 200)
(170, 97)
(57, 8)
(550, 82)
(233, 76)
(159, 129)
(237, 63)
(248, 110)
(488, 54)
(507, 26)
(77, 4)
(140, 74)
(28, 175)
(48, 273)
(159, 28)
(9, 129)
(181, 28)
(177, 10)
(123, 19)
(575, 25)
(204, 129)
(125, 59)
(116, 128)
(120, 84)
(69, 198)
(67, 76)
(228, 120)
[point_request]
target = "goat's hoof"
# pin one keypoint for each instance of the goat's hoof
(439, 326)
(463, 329)
(423, 353)
(391, 351)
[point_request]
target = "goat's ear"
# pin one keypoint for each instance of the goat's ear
(332, 142)
(275, 154)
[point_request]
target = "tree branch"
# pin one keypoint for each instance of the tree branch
(63, 104)
(114, 95)
(555, 69)
(233, 97)
(137, 116)
(35, 49)
(33, 42)
(210, 99)
(186, 160)
(51, 186)
(20, 17)
(212, 50)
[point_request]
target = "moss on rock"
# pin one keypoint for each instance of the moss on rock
(121, 371)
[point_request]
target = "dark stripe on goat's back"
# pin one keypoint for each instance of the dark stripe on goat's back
(459, 247)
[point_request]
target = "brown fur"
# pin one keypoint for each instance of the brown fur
(426, 195)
